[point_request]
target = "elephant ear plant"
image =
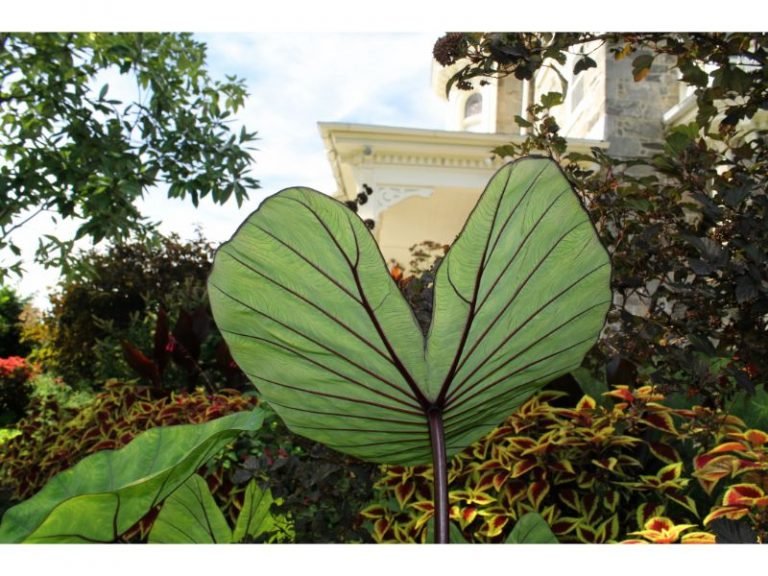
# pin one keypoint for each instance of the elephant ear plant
(306, 304)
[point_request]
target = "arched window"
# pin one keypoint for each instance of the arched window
(474, 105)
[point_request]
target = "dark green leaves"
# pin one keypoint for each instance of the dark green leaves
(310, 313)
(531, 528)
(108, 492)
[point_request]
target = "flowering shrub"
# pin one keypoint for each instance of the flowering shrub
(15, 373)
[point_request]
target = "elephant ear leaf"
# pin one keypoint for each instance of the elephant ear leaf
(190, 516)
(520, 297)
(310, 313)
(531, 528)
(106, 493)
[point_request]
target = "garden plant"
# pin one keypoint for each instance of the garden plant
(501, 404)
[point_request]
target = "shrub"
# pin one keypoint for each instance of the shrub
(595, 473)
(322, 490)
(11, 306)
(116, 297)
(15, 389)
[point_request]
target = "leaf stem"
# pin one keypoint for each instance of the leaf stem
(440, 466)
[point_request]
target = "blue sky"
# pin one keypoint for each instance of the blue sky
(294, 81)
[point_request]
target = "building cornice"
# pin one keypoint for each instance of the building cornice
(370, 145)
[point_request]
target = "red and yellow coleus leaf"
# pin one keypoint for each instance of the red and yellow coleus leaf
(661, 530)
(464, 516)
(519, 444)
(537, 491)
(471, 496)
(610, 528)
(404, 492)
(586, 404)
(745, 495)
(664, 452)
(728, 447)
(661, 421)
(523, 466)
(730, 512)
(647, 511)
(494, 525)
(621, 392)
(756, 438)
(698, 538)
(381, 528)
(374, 512)
(611, 500)
(710, 469)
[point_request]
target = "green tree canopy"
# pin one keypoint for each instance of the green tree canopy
(71, 149)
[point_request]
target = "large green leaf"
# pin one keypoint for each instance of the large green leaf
(531, 528)
(106, 493)
(311, 314)
(190, 516)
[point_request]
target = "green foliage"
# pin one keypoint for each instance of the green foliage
(190, 516)
(685, 224)
(320, 489)
(593, 473)
(531, 529)
(107, 493)
(313, 318)
(15, 389)
(7, 434)
(117, 299)
(74, 150)
(11, 307)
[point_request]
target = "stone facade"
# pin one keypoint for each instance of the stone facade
(634, 111)
(603, 103)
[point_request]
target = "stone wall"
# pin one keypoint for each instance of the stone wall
(634, 110)
(509, 104)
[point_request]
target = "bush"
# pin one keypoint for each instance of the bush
(15, 389)
(322, 490)
(117, 297)
(11, 306)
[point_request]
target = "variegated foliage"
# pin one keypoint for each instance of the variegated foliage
(596, 474)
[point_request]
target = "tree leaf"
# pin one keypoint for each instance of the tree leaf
(190, 516)
(584, 63)
(108, 492)
(641, 66)
(310, 312)
(531, 528)
(255, 517)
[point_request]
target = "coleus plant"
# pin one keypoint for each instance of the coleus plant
(304, 299)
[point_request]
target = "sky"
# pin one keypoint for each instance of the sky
(294, 81)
